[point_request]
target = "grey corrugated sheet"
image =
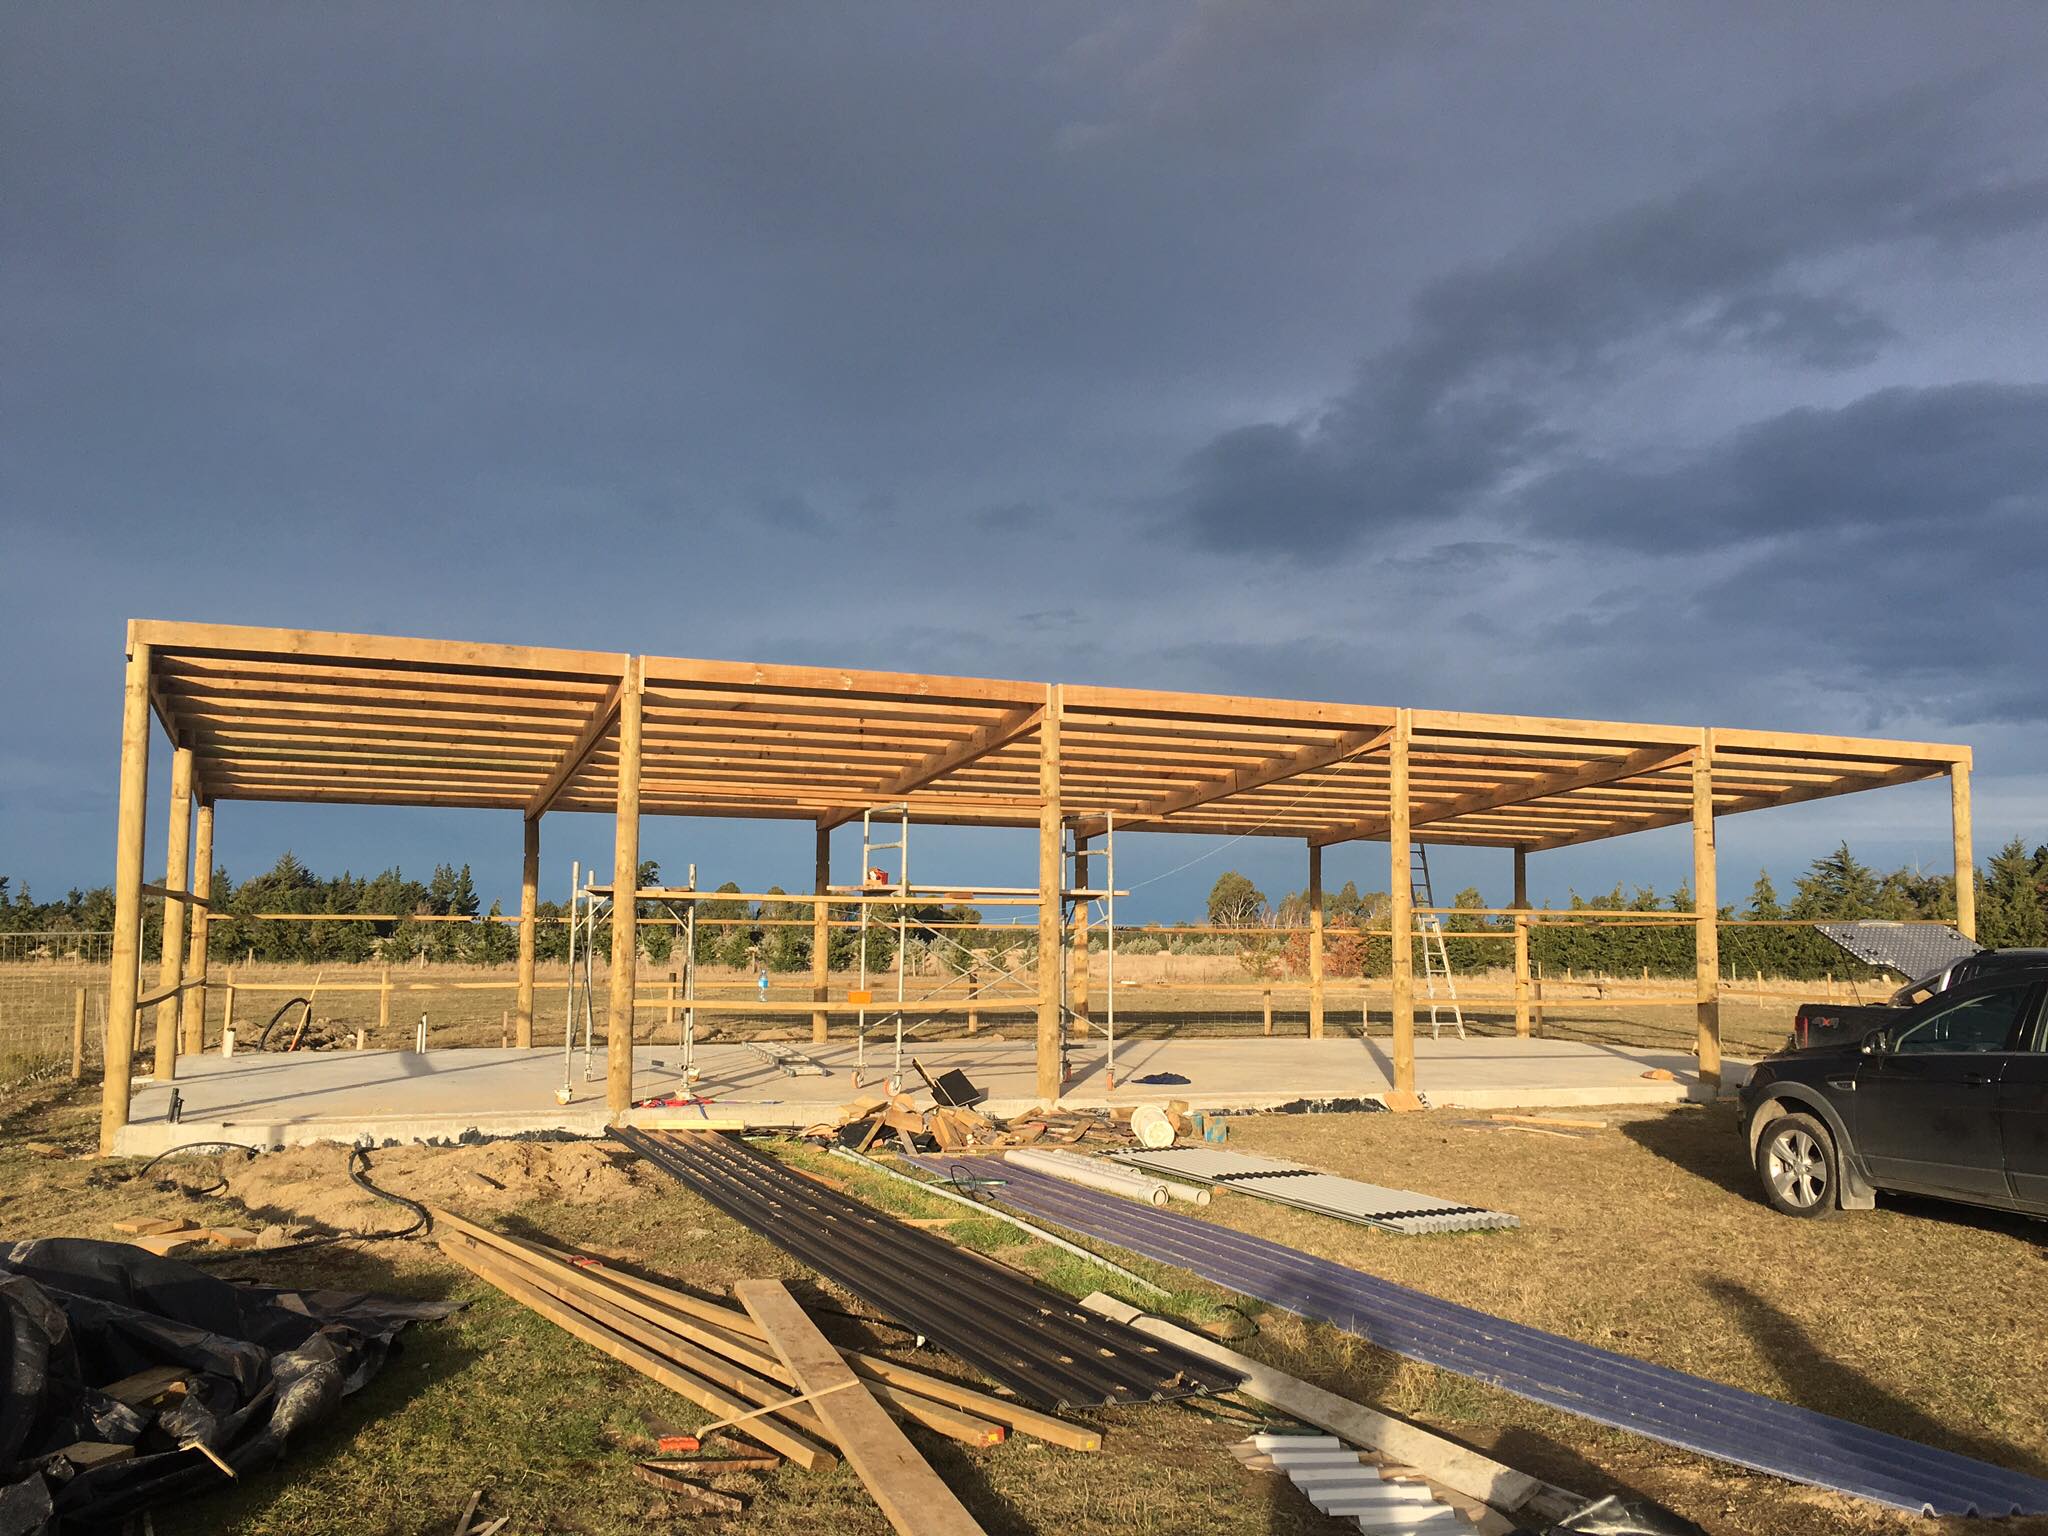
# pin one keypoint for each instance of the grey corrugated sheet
(1310, 1189)
(1690, 1412)
(1912, 949)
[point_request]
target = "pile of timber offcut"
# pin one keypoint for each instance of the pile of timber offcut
(733, 1363)
(165, 1236)
(946, 1128)
(1015, 1331)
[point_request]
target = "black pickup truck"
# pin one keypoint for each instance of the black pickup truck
(1821, 1024)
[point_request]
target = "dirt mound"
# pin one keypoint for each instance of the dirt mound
(310, 1186)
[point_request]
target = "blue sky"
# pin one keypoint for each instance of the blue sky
(1652, 362)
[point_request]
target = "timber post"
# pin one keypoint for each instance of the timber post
(192, 1002)
(1706, 907)
(1078, 959)
(821, 932)
(1049, 860)
(1522, 1021)
(1966, 860)
(618, 1092)
(78, 1036)
(117, 1056)
(529, 920)
(1401, 919)
(1315, 941)
(178, 881)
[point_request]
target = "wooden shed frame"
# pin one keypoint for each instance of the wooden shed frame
(305, 717)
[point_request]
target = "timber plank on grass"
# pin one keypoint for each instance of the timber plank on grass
(909, 1492)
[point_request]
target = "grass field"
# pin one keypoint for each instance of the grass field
(1645, 1237)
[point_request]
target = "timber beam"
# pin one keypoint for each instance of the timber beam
(1588, 775)
(992, 737)
(1848, 784)
(594, 731)
(1351, 744)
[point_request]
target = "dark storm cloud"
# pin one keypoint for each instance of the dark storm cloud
(869, 336)
(1481, 387)
(1910, 468)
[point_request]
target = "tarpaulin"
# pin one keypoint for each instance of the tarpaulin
(258, 1365)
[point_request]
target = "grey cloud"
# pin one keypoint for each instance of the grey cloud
(1480, 389)
(1927, 463)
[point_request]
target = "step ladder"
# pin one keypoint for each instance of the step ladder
(1436, 960)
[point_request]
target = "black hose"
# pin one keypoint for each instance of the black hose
(263, 1040)
(358, 1171)
(188, 1146)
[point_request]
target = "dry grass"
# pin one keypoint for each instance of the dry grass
(1920, 1319)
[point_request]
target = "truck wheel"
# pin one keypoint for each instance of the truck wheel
(1797, 1161)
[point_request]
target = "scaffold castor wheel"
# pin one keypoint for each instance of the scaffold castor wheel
(896, 1083)
(563, 1095)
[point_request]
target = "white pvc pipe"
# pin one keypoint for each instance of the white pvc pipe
(1096, 1175)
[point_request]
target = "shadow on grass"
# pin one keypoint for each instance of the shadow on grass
(1814, 1380)
(1706, 1142)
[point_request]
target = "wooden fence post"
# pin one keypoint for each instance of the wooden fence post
(78, 1036)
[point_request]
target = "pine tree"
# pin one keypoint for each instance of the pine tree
(2010, 913)
(1836, 885)
(1763, 899)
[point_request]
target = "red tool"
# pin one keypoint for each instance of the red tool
(669, 1445)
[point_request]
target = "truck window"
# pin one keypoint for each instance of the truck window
(1986, 1022)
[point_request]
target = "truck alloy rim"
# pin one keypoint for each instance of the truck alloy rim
(1798, 1169)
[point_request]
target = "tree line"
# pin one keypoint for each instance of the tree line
(765, 936)
(2012, 911)
(774, 936)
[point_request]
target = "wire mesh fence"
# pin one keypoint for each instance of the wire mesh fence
(49, 982)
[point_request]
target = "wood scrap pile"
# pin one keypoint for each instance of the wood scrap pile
(943, 1128)
(822, 1401)
(165, 1236)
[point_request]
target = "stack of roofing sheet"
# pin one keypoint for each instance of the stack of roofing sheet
(1395, 1210)
(1039, 1344)
(1331, 1477)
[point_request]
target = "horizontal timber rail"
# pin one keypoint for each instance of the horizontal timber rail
(167, 894)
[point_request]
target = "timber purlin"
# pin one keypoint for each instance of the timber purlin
(292, 715)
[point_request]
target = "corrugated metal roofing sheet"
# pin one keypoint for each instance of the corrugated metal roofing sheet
(1682, 1410)
(1912, 949)
(1310, 1189)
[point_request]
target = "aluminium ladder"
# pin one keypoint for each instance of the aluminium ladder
(1436, 960)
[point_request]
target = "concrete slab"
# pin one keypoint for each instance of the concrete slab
(275, 1099)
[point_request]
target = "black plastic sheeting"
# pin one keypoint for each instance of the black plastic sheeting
(262, 1364)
